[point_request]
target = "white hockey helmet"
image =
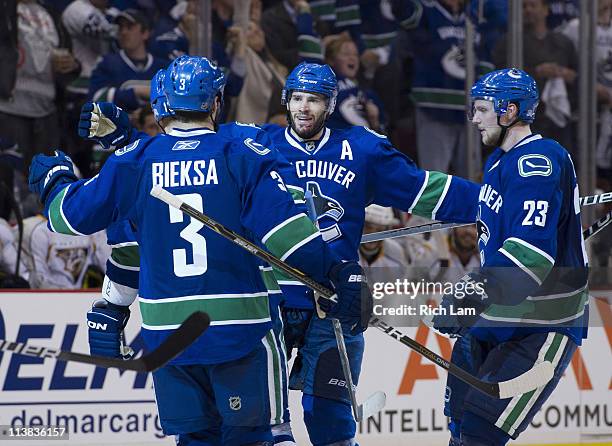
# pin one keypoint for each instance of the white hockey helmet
(380, 215)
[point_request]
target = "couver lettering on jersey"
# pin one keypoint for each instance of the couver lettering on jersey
(325, 170)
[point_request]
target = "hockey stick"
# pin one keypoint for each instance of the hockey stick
(411, 230)
(438, 225)
(174, 344)
(373, 403)
(528, 381)
(531, 379)
(597, 226)
(589, 200)
(343, 354)
(536, 377)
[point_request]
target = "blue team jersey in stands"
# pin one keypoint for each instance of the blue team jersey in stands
(348, 169)
(116, 75)
(528, 223)
(185, 267)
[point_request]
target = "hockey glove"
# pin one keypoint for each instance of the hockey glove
(460, 309)
(106, 322)
(50, 172)
(105, 123)
(355, 303)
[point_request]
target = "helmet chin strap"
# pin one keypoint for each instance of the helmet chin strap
(504, 131)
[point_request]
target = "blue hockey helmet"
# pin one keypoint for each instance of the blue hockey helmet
(159, 104)
(192, 83)
(312, 78)
(506, 86)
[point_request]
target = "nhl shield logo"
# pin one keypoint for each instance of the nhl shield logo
(310, 146)
(235, 403)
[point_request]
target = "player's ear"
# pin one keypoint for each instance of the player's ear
(512, 111)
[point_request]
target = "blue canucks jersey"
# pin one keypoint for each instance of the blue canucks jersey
(438, 83)
(348, 169)
(185, 267)
(116, 75)
(123, 265)
(531, 243)
(350, 105)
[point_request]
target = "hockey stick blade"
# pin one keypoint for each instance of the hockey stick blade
(174, 344)
(533, 378)
(528, 381)
(371, 406)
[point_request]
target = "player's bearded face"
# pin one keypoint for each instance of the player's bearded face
(308, 112)
(485, 118)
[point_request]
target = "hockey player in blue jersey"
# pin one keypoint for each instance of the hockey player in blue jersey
(534, 267)
(202, 395)
(345, 170)
(121, 281)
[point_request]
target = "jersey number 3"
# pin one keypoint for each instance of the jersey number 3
(190, 234)
(531, 207)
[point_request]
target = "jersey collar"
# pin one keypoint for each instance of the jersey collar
(134, 68)
(527, 140)
(182, 133)
(300, 145)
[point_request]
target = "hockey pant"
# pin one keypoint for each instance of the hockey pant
(317, 372)
(480, 420)
(227, 404)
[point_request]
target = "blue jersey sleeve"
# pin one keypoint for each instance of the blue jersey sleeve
(123, 265)
(396, 181)
(88, 206)
(532, 203)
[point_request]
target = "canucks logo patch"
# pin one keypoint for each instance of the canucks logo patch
(127, 148)
(532, 165)
(186, 145)
(256, 147)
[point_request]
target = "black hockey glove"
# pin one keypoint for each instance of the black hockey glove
(355, 303)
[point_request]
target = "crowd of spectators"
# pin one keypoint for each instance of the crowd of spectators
(400, 64)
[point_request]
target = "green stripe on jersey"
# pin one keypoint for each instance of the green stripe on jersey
(296, 192)
(325, 9)
(269, 280)
(427, 201)
(541, 312)
(56, 218)
(126, 256)
(229, 310)
(528, 257)
(349, 15)
(287, 236)
(455, 98)
(276, 377)
(310, 45)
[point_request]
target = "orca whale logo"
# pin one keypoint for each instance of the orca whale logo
(326, 206)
